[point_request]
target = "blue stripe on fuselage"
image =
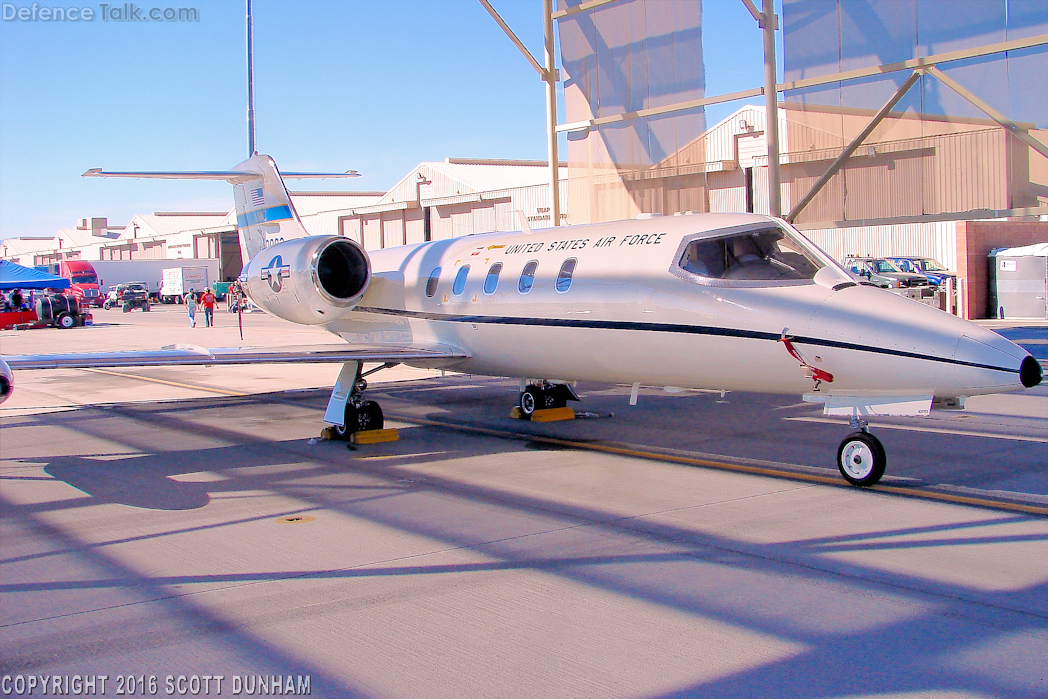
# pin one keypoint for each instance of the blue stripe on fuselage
(273, 213)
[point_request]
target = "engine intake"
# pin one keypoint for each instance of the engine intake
(309, 280)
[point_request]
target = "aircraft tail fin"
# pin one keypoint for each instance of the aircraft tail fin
(265, 213)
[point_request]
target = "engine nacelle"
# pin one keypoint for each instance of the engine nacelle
(7, 381)
(309, 280)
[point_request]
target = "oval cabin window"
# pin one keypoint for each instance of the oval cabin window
(564, 276)
(527, 277)
(460, 280)
(491, 282)
(431, 283)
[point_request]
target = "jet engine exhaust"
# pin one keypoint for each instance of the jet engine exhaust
(342, 270)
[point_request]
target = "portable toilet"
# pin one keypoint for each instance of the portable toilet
(1019, 282)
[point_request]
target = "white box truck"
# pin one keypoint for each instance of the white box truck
(178, 281)
(113, 272)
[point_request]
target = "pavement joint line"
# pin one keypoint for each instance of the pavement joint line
(741, 468)
(177, 384)
(915, 428)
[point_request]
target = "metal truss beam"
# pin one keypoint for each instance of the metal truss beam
(850, 148)
(550, 76)
(1004, 121)
(581, 7)
(513, 37)
(911, 64)
(972, 215)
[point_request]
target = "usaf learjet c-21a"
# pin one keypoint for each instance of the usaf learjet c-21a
(735, 302)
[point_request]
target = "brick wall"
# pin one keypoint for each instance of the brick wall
(975, 240)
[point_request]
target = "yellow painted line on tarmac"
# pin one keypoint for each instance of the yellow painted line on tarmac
(177, 384)
(641, 453)
(937, 430)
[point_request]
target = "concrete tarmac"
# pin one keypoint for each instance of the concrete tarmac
(179, 524)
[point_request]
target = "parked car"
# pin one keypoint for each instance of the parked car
(883, 273)
(128, 296)
(930, 268)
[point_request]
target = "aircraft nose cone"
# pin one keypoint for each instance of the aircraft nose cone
(1030, 372)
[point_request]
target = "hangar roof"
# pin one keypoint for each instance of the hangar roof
(80, 237)
(162, 223)
(12, 247)
(309, 203)
(457, 176)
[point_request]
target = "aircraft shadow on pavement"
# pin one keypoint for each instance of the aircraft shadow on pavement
(851, 643)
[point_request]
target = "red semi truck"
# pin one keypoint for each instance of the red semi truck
(84, 282)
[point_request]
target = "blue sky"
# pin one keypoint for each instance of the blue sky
(374, 86)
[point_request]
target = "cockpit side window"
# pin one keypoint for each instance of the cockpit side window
(762, 255)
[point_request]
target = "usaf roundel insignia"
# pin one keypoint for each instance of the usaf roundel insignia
(275, 273)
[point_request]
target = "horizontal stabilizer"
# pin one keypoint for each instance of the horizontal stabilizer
(231, 176)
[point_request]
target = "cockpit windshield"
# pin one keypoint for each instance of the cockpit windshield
(767, 254)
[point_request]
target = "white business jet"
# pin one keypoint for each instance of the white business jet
(735, 302)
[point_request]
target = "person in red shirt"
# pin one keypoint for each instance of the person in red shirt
(207, 300)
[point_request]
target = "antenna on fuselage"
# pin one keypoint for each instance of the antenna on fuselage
(523, 220)
(250, 89)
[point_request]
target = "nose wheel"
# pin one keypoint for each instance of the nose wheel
(544, 396)
(861, 459)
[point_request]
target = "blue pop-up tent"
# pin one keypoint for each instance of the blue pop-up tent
(15, 276)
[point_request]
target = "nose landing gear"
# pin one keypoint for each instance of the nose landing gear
(544, 396)
(861, 458)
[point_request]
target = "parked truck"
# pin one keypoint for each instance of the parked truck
(112, 273)
(83, 281)
(178, 281)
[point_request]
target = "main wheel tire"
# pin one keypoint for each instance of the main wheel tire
(126, 308)
(861, 459)
(350, 423)
(555, 396)
(370, 417)
(107, 305)
(531, 399)
(65, 321)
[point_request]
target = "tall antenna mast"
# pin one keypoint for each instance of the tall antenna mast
(250, 89)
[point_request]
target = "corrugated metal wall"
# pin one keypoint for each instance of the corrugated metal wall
(372, 231)
(909, 177)
(727, 191)
(393, 229)
(936, 239)
(414, 226)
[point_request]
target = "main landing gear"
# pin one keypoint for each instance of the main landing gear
(544, 396)
(360, 415)
(861, 457)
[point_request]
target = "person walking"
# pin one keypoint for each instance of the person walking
(208, 302)
(191, 304)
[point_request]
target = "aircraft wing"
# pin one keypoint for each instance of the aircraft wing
(175, 355)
